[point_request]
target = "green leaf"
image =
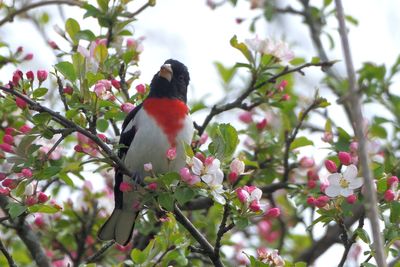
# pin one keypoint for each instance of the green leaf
(381, 185)
(242, 48)
(92, 78)
(40, 92)
(102, 125)
(166, 200)
(20, 188)
(169, 178)
(64, 177)
(188, 150)
(92, 11)
(352, 20)
(395, 212)
(67, 69)
(72, 28)
(15, 209)
(43, 208)
(103, 4)
(343, 134)
(297, 61)
(367, 264)
(197, 106)
(41, 118)
(225, 139)
(101, 53)
(184, 194)
(327, 2)
(300, 264)
(87, 35)
(315, 60)
(300, 142)
(49, 172)
(363, 235)
(138, 256)
(378, 131)
(226, 73)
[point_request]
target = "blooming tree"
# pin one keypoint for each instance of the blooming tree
(234, 203)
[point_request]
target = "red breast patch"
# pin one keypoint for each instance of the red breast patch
(169, 115)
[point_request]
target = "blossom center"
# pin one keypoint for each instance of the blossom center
(344, 183)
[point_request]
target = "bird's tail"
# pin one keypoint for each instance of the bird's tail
(119, 226)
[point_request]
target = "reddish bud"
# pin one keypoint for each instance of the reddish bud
(246, 117)
(232, 177)
(20, 49)
(351, 199)
(353, 147)
(78, 148)
(39, 221)
(28, 56)
(209, 160)
(330, 166)
(285, 97)
(25, 129)
(200, 156)
(321, 201)
(4, 191)
(68, 90)
(103, 137)
(344, 158)
(31, 200)
(203, 138)
(10, 183)
(21, 103)
(273, 213)
(239, 20)
(389, 195)
(393, 180)
(8, 139)
(116, 84)
(17, 76)
(42, 197)
(306, 162)
(41, 75)
(127, 107)
(2, 176)
(311, 184)
(125, 187)
(255, 206)
(281, 86)
(311, 201)
(242, 195)
(30, 76)
(171, 153)
(53, 45)
(141, 88)
(6, 148)
(261, 125)
(152, 186)
(10, 131)
(312, 175)
(26, 172)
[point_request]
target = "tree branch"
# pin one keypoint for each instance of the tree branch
(8, 256)
(101, 251)
(371, 204)
(222, 229)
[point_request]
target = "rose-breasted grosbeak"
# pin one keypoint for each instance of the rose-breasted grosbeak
(161, 122)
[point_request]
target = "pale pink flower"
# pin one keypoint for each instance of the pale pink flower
(171, 153)
(343, 184)
(127, 107)
(148, 167)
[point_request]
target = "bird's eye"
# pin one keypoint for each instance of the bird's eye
(181, 78)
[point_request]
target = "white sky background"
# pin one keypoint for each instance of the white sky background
(189, 31)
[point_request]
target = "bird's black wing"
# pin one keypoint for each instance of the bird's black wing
(125, 141)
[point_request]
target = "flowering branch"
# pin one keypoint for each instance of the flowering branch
(357, 122)
(10, 17)
(8, 256)
(222, 229)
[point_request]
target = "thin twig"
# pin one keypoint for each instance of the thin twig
(10, 17)
(222, 229)
(100, 252)
(163, 255)
(8, 256)
(137, 12)
(371, 204)
(352, 240)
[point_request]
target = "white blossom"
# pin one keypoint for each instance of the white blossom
(344, 184)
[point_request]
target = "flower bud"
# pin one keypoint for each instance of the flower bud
(353, 147)
(203, 138)
(311, 200)
(351, 199)
(8, 139)
(30, 76)
(10, 131)
(321, 201)
(68, 90)
(312, 175)
(285, 97)
(127, 107)
(152, 186)
(6, 148)
(261, 125)
(330, 166)
(328, 137)
(78, 148)
(311, 184)
(200, 156)
(53, 45)
(141, 89)
(28, 56)
(171, 153)
(26, 172)
(21, 103)
(237, 166)
(42, 197)
(2, 176)
(17, 76)
(281, 86)
(389, 195)
(232, 177)
(148, 167)
(125, 187)
(242, 195)
(273, 213)
(39, 221)
(10, 183)
(116, 84)
(255, 206)
(246, 117)
(41, 75)
(306, 162)
(344, 158)
(4, 191)
(393, 180)
(25, 129)
(31, 200)
(29, 189)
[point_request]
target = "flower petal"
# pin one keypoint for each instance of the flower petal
(346, 192)
(333, 190)
(256, 194)
(334, 179)
(350, 172)
(218, 176)
(356, 183)
(208, 178)
(197, 166)
(218, 198)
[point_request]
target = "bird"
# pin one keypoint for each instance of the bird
(161, 122)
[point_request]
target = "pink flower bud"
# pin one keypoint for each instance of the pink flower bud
(141, 88)
(10, 183)
(17, 76)
(148, 167)
(351, 199)
(273, 213)
(127, 107)
(10, 131)
(25, 129)
(330, 166)
(102, 41)
(42, 197)
(203, 138)
(261, 125)
(281, 86)
(116, 84)
(321, 201)
(237, 166)
(99, 90)
(26, 172)
(8, 139)
(131, 43)
(232, 177)
(152, 186)
(41, 75)
(171, 153)
(31, 200)
(30, 76)
(68, 90)
(78, 148)
(285, 97)
(328, 137)
(39, 221)
(311, 200)
(2, 176)
(20, 49)
(125, 187)
(6, 148)
(246, 117)
(311, 184)
(102, 137)
(28, 56)
(255, 206)
(187, 177)
(4, 191)
(200, 156)
(312, 175)
(209, 161)
(306, 162)
(53, 45)
(242, 195)
(344, 158)
(389, 195)
(353, 147)
(21, 103)
(393, 180)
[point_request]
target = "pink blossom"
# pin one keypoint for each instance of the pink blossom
(255, 206)
(351, 199)
(10, 183)
(78, 148)
(39, 220)
(42, 197)
(152, 186)
(41, 75)
(25, 129)
(311, 184)
(232, 177)
(311, 200)
(203, 138)
(393, 181)
(262, 124)
(282, 85)
(127, 107)
(17, 76)
(141, 88)
(321, 201)
(171, 153)
(68, 90)
(125, 187)
(31, 200)
(21, 103)
(273, 213)
(330, 166)
(6, 148)
(102, 41)
(389, 195)
(328, 137)
(306, 162)
(2, 176)
(242, 195)
(188, 177)
(246, 117)
(116, 84)
(26, 172)
(106, 83)
(312, 175)
(353, 147)
(8, 139)
(285, 97)
(10, 131)
(4, 191)
(28, 56)
(148, 167)
(237, 166)
(30, 76)
(200, 156)
(344, 158)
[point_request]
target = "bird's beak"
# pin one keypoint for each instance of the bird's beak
(166, 72)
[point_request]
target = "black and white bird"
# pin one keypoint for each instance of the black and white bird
(161, 122)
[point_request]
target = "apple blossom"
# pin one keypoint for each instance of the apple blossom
(306, 162)
(203, 138)
(148, 167)
(393, 181)
(270, 257)
(343, 184)
(246, 117)
(116, 84)
(273, 213)
(171, 153)
(26, 172)
(389, 195)
(237, 166)
(255, 206)
(321, 201)
(141, 88)
(25, 129)
(31, 200)
(261, 124)
(4, 191)
(17, 77)
(30, 76)
(344, 158)
(311, 200)
(42, 197)
(282, 85)
(188, 177)
(330, 166)
(6, 148)
(351, 199)
(127, 107)
(41, 75)
(29, 189)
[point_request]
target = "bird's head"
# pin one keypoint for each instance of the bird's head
(170, 81)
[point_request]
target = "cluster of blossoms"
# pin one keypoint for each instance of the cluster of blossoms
(279, 49)
(87, 145)
(9, 137)
(270, 257)
(392, 193)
